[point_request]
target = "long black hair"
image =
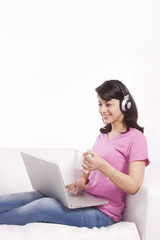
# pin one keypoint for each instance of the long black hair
(115, 89)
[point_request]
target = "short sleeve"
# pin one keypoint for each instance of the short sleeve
(138, 149)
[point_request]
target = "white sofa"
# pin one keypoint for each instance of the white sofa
(140, 217)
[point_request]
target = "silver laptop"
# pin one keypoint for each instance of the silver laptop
(45, 177)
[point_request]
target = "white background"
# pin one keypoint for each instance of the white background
(54, 53)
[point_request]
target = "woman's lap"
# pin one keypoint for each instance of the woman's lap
(34, 207)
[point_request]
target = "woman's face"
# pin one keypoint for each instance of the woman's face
(110, 111)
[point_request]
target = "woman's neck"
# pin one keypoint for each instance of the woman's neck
(118, 128)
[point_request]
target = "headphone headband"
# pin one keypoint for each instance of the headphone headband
(123, 90)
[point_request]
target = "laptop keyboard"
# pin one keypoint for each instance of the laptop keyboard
(83, 199)
(76, 200)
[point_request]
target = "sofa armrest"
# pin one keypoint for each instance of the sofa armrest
(142, 208)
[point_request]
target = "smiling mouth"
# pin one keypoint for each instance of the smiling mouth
(105, 116)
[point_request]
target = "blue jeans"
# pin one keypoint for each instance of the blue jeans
(23, 208)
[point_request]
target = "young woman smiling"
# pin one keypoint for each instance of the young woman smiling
(117, 162)
(114, 167)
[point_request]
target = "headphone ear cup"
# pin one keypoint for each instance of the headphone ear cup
(126, 104)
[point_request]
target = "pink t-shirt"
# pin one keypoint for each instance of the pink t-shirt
(119, 152)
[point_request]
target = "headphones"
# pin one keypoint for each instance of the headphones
(126, 103)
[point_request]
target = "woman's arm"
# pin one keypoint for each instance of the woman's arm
(129, 183)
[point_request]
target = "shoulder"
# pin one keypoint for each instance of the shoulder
(134, 139)
(137, 140)
(100, 141)
(136, 134)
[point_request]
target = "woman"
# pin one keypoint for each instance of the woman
(113, 168)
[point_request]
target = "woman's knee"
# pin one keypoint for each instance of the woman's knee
(47, 203)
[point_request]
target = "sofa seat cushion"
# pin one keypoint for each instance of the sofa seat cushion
(41, 231)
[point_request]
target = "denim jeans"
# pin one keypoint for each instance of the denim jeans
(28, 207)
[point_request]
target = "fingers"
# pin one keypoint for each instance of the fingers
(87, 164)
(89, 153)
(85, 171)
(85, 168)
(89, 156)
(91, 160)
(73, 188)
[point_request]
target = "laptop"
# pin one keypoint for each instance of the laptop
(45, 177)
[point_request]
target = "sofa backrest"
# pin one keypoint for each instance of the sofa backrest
(13, 174)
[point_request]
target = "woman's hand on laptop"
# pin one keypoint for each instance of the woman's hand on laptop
(80, 183)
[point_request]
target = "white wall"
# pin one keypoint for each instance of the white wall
(54, 53)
